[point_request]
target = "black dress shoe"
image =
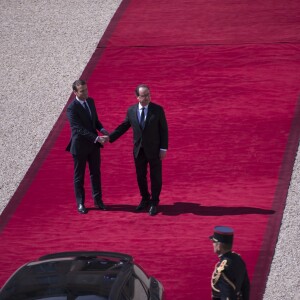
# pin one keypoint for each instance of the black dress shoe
(153, 210)
(143, 205)
(81, 209)
(100, 205)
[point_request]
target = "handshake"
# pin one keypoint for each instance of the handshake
(103, 139)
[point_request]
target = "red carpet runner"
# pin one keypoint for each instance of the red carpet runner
(228, 76)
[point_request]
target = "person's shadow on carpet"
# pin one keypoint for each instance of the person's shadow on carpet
(179, 208)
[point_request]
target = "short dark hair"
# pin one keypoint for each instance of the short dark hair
(77, 83)
(137, 89)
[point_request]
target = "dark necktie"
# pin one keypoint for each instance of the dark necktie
(142, 121)
(86, 108)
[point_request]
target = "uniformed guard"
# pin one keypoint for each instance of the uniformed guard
(230, 278)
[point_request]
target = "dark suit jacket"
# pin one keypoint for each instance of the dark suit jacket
(152, 138)
(84, 128)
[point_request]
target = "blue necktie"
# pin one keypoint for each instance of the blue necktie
(142, 120)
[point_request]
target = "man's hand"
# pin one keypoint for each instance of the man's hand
(103, 139)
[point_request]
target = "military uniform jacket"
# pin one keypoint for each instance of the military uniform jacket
(230, 279)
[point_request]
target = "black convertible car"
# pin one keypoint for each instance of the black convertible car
(89, 275)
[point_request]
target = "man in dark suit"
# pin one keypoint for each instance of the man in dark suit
(230, 279)
(150, 138)
(85, 144)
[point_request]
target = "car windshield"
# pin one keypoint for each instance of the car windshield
(63, 280)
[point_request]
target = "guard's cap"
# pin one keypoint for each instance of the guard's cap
(222, 234)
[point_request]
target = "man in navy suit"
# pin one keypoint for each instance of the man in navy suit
(150, 138)
(85, 144)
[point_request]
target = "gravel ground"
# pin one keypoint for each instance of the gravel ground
(45, 45)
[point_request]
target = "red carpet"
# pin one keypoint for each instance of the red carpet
(227, 75)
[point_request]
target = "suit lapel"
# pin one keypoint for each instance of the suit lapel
(134, 116)
(149, 113)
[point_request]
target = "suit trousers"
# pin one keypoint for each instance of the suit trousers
(93, 159)
(141, 165)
